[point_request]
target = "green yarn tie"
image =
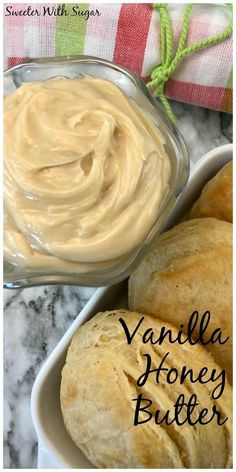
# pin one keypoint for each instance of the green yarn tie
(163, 72)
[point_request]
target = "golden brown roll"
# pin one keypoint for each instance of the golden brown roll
(190, 269)
(99, 385)
(216, 197)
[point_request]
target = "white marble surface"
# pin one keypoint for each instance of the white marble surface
(36, 318)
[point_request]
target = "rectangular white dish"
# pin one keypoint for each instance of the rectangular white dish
(56, 449)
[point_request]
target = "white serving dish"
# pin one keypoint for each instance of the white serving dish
(56, 449)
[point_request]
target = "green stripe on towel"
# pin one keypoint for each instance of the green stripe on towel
(71, 30)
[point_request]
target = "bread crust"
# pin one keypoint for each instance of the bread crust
(99, 383)
(216, 198)
(189, 269)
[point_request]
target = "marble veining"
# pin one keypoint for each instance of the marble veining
(35, 319)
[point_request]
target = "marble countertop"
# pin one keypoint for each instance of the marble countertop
(36, 318)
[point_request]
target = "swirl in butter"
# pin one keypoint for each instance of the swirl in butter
(86, 173)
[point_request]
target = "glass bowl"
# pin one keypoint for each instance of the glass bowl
(77, 67)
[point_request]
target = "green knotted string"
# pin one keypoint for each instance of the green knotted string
(163, 72)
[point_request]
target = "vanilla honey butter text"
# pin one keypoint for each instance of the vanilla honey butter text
(187, 408)
(85, 175)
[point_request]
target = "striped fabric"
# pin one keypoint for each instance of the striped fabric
(127, 34)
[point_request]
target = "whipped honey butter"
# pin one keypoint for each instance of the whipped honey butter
(85, 174)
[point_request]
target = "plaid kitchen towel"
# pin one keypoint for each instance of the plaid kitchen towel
(129, 35)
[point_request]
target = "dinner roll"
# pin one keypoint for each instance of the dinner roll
(190, 269)
(99, 385)
(217, 196)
